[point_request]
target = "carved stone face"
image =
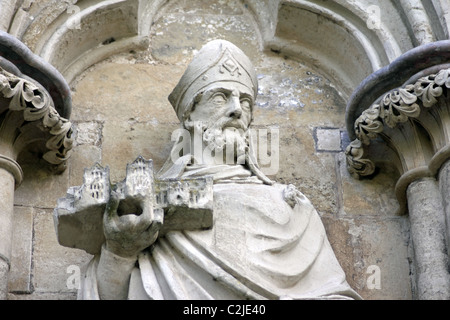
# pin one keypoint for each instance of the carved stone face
(222, 114)
(224, 105)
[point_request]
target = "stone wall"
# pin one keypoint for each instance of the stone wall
(124, 59)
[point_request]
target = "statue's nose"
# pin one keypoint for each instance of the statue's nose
(234, 110)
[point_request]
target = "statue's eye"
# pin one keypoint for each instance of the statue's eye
(219, 98)
(245, 104)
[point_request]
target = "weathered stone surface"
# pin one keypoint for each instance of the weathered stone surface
(4, 270)
(328, 139)
(183, 29)
(40, 186)
(313, 173)
(88, 133)
(51, 261)
(304, 27)
(84, 156)
(21, 255)
(125, 136)
(125, 92)
(213, 7)
(292, 92)
(375, 254)
(44, 296)
(371, 197)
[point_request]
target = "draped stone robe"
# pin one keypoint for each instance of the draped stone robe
(265, 244)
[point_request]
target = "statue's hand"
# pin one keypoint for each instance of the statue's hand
(129, 225)
(292, 196)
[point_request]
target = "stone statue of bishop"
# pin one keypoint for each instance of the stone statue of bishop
(266, 241)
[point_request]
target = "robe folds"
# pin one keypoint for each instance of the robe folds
(265, 243)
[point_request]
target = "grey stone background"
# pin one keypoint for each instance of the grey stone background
(121, 111)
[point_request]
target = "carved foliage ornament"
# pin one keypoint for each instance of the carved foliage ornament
(36, 105)
(396, 107)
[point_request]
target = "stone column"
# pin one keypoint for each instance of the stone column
(8, 169)
(444, 186)
(32, 93)
(426, 214)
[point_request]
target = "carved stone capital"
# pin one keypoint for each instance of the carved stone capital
(12, 167)
(412, 119)
(29, 117)
(396, 107)
(35, 104)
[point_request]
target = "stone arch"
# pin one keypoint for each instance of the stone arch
(293, 27)
(323, 33)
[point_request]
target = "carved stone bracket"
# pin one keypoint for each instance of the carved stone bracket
(36, 112)
(397, 106)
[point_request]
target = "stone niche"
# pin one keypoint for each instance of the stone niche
(127, 56)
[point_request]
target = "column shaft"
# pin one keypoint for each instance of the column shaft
(444, 186)
(427, 219)
(7, 186)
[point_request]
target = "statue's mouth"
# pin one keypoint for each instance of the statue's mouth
(234, 123)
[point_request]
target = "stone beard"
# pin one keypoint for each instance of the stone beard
(267, 240)
(226, 145)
